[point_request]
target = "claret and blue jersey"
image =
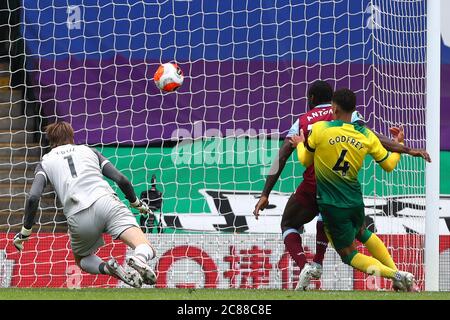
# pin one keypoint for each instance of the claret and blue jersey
(322, 112)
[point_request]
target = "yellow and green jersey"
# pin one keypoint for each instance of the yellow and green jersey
(338, 150)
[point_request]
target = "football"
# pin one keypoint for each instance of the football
(168, 77)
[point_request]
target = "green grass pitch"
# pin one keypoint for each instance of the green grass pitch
(209, 294)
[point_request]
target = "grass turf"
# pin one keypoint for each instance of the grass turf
(209, 294)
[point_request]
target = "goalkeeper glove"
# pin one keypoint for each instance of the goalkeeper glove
(21, 237)
(141, 206)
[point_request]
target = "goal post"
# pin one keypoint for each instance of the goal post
(433, 103)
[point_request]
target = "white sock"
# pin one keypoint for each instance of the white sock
(145, 252)
(94, 265)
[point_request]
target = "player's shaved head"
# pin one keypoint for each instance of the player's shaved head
(319, 92)
(345, 99)
(59, 133)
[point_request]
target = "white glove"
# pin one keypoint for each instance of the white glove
(141, 206)
(21, 237)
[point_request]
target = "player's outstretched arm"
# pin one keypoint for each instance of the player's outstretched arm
(111, 172)
(394, 146)
(125, 185)
(277, 167)
(31, 207)
(275, 171)
(390, 161)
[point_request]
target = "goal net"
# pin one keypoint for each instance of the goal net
(247, 67)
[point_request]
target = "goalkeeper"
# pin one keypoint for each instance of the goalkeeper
(91, 207)
(338, 149)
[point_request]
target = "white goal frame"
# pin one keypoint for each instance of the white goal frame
(433, 96)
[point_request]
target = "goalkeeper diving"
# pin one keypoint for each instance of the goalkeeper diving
(91, 207)
(338, 149)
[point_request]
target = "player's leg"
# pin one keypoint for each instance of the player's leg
(291, 236)
(321, 248)
(143, 253)
(136, 240)
(376, 247)
(403, 281)
(93, 264)
(342, 226)
(121, 224)
(306, 199)
(300, 210)
(86, 239)
(296, 213)
(379, 251)
(314, 269)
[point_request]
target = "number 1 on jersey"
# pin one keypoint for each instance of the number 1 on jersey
(345, 167)
(71, 166)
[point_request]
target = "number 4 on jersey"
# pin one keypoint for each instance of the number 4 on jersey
(344, 168)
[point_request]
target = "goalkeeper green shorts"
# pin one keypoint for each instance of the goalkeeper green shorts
(342, 224)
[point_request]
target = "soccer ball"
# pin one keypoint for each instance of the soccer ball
(169, 77)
